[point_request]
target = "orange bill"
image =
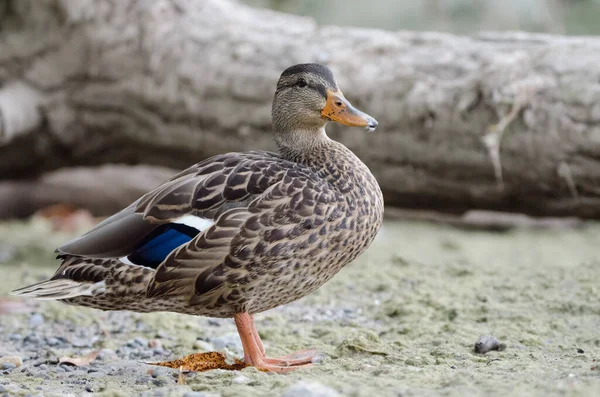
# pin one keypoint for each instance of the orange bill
(339, 109)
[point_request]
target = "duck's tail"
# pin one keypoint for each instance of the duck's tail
(62, 288)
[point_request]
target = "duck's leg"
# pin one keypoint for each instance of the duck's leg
(254, 353)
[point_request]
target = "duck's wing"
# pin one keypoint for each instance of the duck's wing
(286, 221)
(199, 233)
(175, 212)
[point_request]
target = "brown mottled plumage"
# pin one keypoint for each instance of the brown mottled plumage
(278, 225)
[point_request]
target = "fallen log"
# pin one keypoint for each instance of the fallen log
(499, 121)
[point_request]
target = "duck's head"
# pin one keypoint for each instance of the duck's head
(307, 97)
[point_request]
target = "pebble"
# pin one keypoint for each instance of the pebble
(66, 367)
(487, 343)
(3, 389)
(16, 360)
(138, 342)
(52, 341)
(231, 341)
(33, 339)
(36, 320)
(8, 366)
(161, 371)
(305, 389)
(159, 382)
(241, 379)
(203, 346)
(106, 354)
(157, 351)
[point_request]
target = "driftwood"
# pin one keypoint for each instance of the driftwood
(507, 122)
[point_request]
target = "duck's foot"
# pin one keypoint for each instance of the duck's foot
(283, 364)
(299, 358)
(254, 355)
(200, 362)
(254, 352)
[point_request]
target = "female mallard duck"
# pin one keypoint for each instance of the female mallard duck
(238, 233)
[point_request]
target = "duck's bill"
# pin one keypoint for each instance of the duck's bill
(339, 109)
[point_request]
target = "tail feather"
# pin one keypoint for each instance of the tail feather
(62, 288)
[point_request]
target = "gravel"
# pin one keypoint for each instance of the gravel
(390, 327)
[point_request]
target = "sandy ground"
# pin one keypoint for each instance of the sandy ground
(400, 321)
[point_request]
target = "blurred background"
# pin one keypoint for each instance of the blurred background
(571, 17)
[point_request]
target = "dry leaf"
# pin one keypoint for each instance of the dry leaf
(66, 217)
(80, 361)
(199, 362)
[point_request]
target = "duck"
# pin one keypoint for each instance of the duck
(238, 233)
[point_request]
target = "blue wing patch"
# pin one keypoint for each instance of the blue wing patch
(160, 243)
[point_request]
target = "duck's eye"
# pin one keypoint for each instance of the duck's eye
(301, 83)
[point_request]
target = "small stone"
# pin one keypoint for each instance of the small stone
(52, 341)
(137, 342)
(32, 338)
(16, 360)
(203, 346)
(160, 371)
(89, 388)
(241, 379)
(230, 340)
(159, 382)
(157, 351)
(15, 337)
(66, 367)
(580, 351)
(106, 354)
(3, 389)
(8, 366)
(487, 343)
(36, 320)
(312, 389)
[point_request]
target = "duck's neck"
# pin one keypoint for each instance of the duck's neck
(333, 161)
(303, 146)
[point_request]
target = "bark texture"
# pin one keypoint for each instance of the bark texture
(506, 122)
